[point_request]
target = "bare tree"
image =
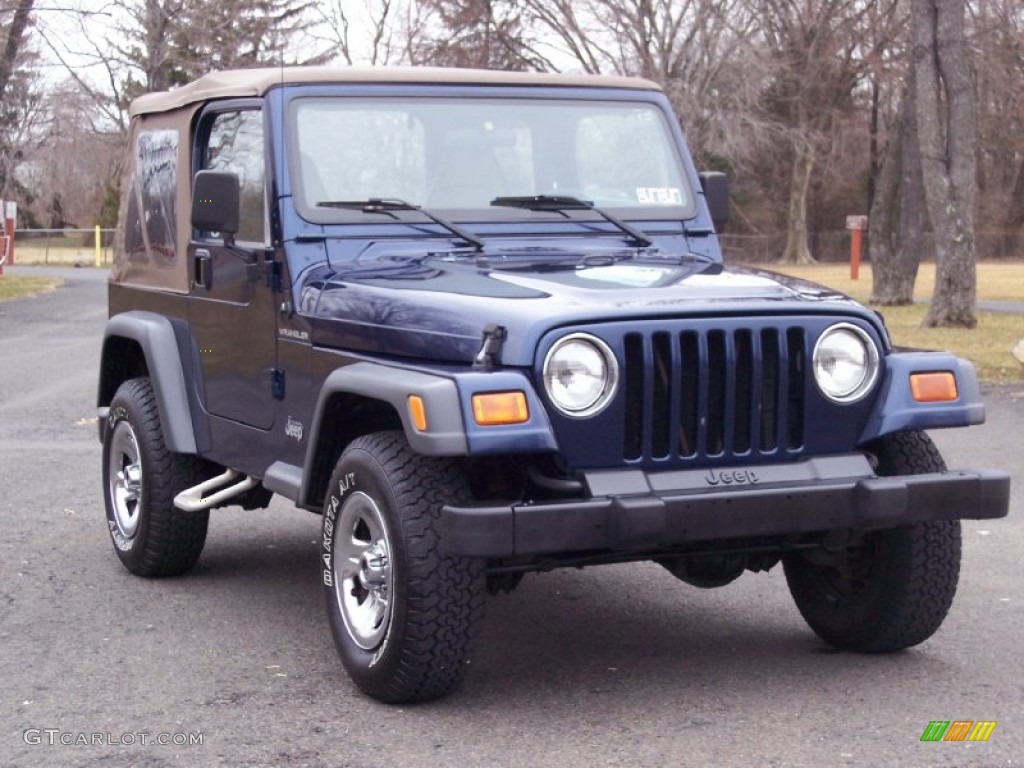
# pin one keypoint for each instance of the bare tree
(897, 219)
(475, 33)
(885, 72)
(136, 54)
(817, 57)
(1013, 224)
(576, 33)
(373, 24)
(998, 47)
(149, 41)
(699, 51)
(947, 132)
(234, 34)
(153, 45)
(686, 41)
(13, 38)
(148, 45)
(73, 168)
(15, 91)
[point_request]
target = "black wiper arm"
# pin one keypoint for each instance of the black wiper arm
(387, 205)
(567, 203)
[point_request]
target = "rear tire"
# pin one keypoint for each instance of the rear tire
(141, 477)
(891, 589)
(402, 613)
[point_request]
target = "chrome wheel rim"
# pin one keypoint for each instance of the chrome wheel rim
(363, 576)
(124, 479)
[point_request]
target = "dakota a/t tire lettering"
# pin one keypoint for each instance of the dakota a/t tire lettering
(403, 615)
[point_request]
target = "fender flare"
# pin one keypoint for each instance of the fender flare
(451, 430)
(156, 337)
(895, 408)
(445, 435)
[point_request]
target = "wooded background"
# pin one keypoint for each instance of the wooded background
(912, 110)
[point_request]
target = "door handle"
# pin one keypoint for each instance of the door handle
(203, 268)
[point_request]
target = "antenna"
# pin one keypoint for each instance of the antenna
(276, 190)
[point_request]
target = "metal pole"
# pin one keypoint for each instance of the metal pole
(98, 249)
(856, 225)
(854, 254)
(10, 213)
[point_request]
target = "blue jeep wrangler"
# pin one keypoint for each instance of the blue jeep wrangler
(479, 322)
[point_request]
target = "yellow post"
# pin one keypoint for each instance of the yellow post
(99, 251)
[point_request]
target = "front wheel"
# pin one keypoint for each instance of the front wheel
(888, 590)
(403, 614)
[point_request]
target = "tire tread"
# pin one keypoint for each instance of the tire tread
(445, 595)
(922, 564)
(173, 539)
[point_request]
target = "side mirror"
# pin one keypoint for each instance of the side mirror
(716, 193)
(215, 202)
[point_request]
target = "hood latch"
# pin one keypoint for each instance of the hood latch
(490, 347)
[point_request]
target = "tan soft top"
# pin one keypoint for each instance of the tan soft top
(239, 83)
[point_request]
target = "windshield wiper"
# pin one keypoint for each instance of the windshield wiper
(567, 203)
(387, 205)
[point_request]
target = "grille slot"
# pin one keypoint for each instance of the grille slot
(712, 394)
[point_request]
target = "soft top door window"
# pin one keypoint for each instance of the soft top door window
(235, 144)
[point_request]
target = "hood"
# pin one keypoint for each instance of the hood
(434, 306)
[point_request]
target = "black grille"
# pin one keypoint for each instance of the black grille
(735, 392)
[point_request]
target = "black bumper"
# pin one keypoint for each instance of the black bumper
(633, 510)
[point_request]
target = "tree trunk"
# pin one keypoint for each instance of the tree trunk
(873, 169)
(155, 22)
(947, 131)
(796, 251)
(913, 216)
(888, 285)
(1013, 224)
(12, 43)
(896, 221)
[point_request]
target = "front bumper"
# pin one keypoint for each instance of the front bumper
(634, 510)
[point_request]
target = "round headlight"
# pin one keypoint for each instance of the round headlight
(580, 375)
(845, 363)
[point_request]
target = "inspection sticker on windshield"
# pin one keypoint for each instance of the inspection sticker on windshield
(659, 195)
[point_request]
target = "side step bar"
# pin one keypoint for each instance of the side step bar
(194, 499)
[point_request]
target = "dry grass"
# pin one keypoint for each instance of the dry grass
(36, 255)
(12, 287)
(997, 281)
(988, 346)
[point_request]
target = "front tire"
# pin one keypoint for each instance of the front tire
(141, 477)
(403, 614)
(890, 589)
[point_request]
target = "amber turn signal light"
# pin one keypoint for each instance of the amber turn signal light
(417, 412)
(494, 408)
(933, 387)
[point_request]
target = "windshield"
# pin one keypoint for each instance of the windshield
(459, 155)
